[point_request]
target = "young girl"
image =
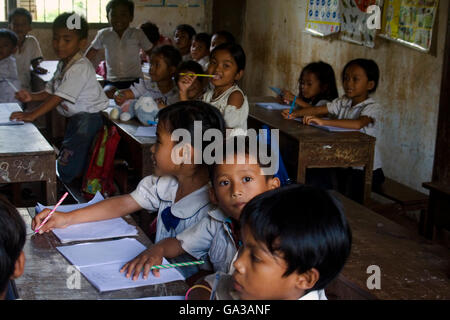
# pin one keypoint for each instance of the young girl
(355, 110)
(179, 192)
(164, 62)
(200, 49)
(198, 87)
(317, 87)
(227, 64)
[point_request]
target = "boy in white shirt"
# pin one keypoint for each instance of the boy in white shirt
(29, 52)
(122, 45)
(200, 49)
(75, 92)
(8, 70)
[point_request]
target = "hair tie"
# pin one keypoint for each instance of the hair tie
(194, 287)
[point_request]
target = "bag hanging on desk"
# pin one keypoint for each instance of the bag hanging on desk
(100, 173)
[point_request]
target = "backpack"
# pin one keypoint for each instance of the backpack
(100, 173)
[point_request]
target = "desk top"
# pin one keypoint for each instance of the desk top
(296, 129)
(411, 266)
(47, 273)
(51, 65)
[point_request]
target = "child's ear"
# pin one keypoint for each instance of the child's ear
(370, 85)
(274, 183)
(83, 43)
(15, 49)
(19, 266)
(307, 279)
(212, 196)
(239, 75)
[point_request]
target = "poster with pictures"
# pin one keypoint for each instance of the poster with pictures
(410, 22)
(354, 18)
(323, 17)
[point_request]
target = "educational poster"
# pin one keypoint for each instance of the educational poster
(149, 3)
(322, 17)
(410, 22)
(354, 22)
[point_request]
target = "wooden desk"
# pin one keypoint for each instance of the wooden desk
(411, 266)
(25, 156)
(316, 148)
(47, 272)
(438, 214)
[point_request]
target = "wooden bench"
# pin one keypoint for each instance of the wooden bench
(406, 198)
(438, 214)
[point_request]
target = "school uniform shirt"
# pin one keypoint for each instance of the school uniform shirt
(234, 118)
(341, 108)
(148, 88)
(122, 54)
(158, 193)
(77, 84)
(210, 238)
(204, 62)
(315, 295)
(8, 70)
(29, 51)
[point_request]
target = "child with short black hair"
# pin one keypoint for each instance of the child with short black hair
(75, 92)
(221, 37)
(151, 30)
(200, 49)
(287, 253)
(122, 44)
(183, 39)
(12, 240)
(29, 52)
(198, 87)
(8, 69)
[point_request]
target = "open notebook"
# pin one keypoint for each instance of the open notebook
(100, 263)
(105, 229)
(5, 112)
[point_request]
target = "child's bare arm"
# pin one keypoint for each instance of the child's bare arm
(184, 83)
(91, 53)
(51, 102)
(313, 111)
(168, 248)
(236, 99)
(356, 124)
(107, 209)
(120, 96)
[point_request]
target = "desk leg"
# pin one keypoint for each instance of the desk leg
(301, 166)
(368, 174)
(50, 182)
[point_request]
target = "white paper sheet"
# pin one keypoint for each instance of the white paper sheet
(273, 105)
(146, 131)
(5, 112)
(100, 263)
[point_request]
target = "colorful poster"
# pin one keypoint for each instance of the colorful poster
(410, 22)
(322, 17)
(354, 26)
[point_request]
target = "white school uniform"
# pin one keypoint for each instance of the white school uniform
(341, 108)
(77, 84)
(148, 88)
(204, 62)
(29, 51)
(122, 54)
(8, 71)
(157, 193)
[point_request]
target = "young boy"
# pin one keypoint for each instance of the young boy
(8, 69)
(122, 44)
(200, 49)
(151, 30)
(295, 241)
(75, 92)
(220, 37)
(183, 40)
(29, 52)
(215, 237)
(12, 240)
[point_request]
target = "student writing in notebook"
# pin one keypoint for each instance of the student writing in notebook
(178, 192)
(215, 237)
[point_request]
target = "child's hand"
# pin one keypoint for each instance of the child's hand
(57, 220)
(40, 70)
(286, 115)
(161, 105)
(313, 119)
(119, 97)
(22, 116)
(288, 97)
(146, 260)
(185, 82)
(23, 96)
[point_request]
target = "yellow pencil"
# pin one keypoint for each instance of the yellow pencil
(198, 75)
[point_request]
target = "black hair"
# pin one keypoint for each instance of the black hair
(325, 74)
(369, 66)
(186, 28)
(183, 114)
(191, 66)
(236, 141)
(229, 38)
(20, 12)
(314, 234)
(12, 240)
(236, 51)
(203, 37)
(114, 3)
(60, 22)
(171, 55)
(10, 35)
(151, 30)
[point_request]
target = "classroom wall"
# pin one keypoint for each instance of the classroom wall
(166, 18)
(277, 49)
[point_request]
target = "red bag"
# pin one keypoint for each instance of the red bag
(100, 173)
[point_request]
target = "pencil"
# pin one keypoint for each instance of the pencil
(292, 105)
(180, 264)
(51, 212)
(12, 85)
(198, 75)
(214, 288)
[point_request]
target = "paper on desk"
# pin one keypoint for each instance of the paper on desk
(5, 112)
(100, 263)
(327, 128)
(272, 105)
(105, 229)
(146, 131)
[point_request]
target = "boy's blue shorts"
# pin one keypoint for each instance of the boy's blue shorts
(80, 133)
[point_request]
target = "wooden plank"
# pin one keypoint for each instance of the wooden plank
(401, 193)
